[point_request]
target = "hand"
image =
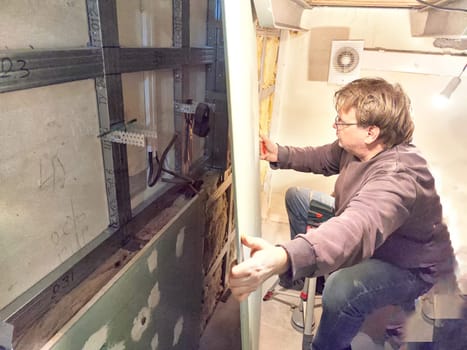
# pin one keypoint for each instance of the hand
(269, 150)
(265, 261)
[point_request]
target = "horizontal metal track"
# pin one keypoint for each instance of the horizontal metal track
(134, 60)
(28, 69)
(21, 69)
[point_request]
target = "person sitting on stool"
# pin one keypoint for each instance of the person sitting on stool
(387, 243)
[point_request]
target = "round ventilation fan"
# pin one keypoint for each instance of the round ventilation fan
(345, 59)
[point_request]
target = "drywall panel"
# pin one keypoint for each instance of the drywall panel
(144, 23)
(242, 87)
(148, 98)
(198, 19)
(43, 24)
(154, 302)
(52, 190)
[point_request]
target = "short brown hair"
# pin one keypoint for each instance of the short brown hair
(379, 103)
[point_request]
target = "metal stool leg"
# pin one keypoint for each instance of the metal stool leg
(309, 307)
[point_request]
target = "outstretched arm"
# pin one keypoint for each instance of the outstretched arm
(266, 260)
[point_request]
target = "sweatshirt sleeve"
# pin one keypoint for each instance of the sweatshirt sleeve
(319, 160)
(374, 213)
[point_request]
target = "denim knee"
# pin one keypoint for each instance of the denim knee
(338, 290)
(291, 195)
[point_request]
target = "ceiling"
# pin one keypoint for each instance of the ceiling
(371, 3)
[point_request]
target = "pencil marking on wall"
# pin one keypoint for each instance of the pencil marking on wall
(154, 296)
(75, 224)
(52, 173)
(152, 261)
(11, 69)
(178, 329)
(179, 244)
(155, 342)
(140, 323)
(63, 284)
(97, 340)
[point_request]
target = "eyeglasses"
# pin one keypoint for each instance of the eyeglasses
(338, 122)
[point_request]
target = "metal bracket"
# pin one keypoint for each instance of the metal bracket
(191, 108)
(129, 134)
(6, 336)
(128, 138)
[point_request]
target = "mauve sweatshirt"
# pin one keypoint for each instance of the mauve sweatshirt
(386, 208)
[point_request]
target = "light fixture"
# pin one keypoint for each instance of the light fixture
(442, 99)
(452, 85)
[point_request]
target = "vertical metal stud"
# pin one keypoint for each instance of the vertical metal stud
(216, 90)
(103, 32)
(181, 39)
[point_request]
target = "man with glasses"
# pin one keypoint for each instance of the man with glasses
(387, 243)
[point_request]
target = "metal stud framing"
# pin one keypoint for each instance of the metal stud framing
(181, 41)
(216, 89)
(105, 61)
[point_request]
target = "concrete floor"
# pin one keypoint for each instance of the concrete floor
(277, 333)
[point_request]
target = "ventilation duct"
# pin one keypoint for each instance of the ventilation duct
(282, 14)
(430, 22)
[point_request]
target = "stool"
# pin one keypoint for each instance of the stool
(302, 319)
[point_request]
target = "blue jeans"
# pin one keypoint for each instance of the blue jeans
(297, 203)
(352, 293)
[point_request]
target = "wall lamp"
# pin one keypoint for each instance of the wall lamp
(453, 84)
(443, 97)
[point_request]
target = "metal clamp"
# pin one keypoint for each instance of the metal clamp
(190, 108)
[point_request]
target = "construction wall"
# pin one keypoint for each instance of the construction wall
(79, 226)
(53, 196)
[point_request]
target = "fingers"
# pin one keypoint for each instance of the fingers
(240, 288)
(268, 149)
(241, 297)
(263, 149)
(255, 243)
(264, 146)
(243, 280)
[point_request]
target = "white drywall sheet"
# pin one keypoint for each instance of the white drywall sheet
(44, 24)
(198, 16)
(242, 87)
(139, 19)
(160, 117)
(52, 189)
